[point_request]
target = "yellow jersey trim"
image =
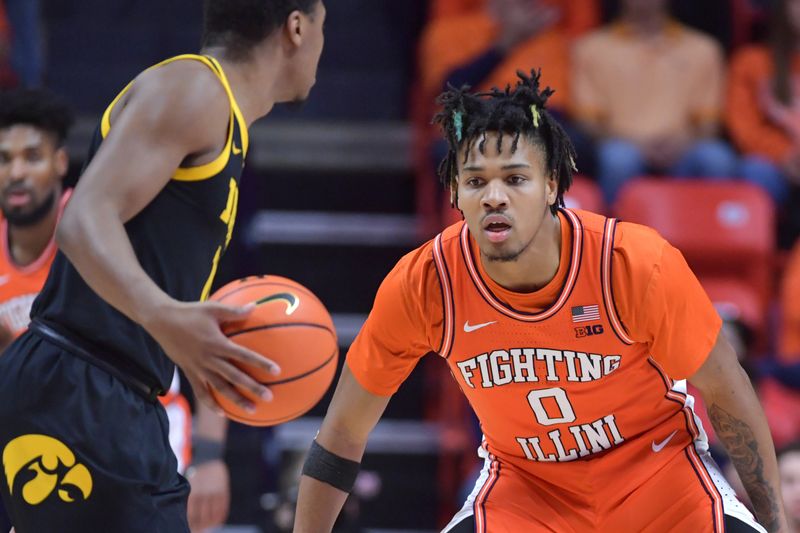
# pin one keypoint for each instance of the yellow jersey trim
(212, 168)
(234, 105)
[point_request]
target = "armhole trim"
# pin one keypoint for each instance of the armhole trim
(447, 298)
(605, 275)
(214, 167)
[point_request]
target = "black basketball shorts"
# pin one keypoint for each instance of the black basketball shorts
(81, 449)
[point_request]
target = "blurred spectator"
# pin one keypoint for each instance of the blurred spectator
(789, 469)
(780, 388)
(789, 338)
(7, 79)
(649, 90)
(26, 40)
(763, 111)
(483, 43)
(720, 19)
(576, 20)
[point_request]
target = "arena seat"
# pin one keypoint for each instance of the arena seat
(726, 232)
(585, 194)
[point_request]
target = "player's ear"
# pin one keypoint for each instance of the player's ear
(295, 27)
(551, 184)
(61, 162)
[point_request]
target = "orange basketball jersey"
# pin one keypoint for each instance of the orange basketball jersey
(19, 285)
(580, 386)
(567, 384)
(179, 415)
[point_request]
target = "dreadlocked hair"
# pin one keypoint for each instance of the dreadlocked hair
(466, 117)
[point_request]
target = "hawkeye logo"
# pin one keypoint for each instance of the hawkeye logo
(292, 301)
(37, 465)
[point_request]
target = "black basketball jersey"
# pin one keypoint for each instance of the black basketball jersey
(178, 238)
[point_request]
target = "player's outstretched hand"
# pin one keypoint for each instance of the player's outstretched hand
(190, 334)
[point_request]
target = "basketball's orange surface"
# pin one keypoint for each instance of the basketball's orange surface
(291, 327)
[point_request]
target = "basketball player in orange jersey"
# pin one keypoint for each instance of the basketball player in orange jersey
(83, 439)
(34, 125)
(572, 335)
(33, 162)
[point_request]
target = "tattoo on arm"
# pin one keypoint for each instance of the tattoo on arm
(742, 447)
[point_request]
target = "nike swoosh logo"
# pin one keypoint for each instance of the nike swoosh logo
(660, 446)
(236, 150)
(470, 329)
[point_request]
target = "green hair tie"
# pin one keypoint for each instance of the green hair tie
(535, 115)
(458, 124)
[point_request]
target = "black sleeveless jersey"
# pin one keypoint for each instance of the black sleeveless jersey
(178, 238)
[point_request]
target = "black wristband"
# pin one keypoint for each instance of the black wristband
(329, 468)
(206, 450)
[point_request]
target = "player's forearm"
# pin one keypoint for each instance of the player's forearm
(318, 505)
(740, 425)
(96, 243)
(209, 425)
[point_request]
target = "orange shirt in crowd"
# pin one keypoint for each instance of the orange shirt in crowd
(452, 41)
(789, 342)
(579, 16)
(644, 88)
(19, 285)
(753, 128)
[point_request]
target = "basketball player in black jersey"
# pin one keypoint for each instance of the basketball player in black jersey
(83, 440)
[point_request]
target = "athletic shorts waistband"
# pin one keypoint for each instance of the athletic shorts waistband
(118, 369)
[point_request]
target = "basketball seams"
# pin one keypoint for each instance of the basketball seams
(304, 374)
(274, 421)
(311, 336)
(248, 285)
(284, 325)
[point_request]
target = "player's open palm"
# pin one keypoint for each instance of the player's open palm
(190, 334)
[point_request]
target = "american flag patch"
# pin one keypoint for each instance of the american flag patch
(585, 313)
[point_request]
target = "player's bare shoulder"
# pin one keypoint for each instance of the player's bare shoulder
(184, 98)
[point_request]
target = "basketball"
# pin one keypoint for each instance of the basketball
(291, 327)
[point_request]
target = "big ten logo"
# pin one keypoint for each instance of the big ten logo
(588, 331)
(38, 465)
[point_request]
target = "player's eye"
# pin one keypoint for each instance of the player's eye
(516, 179)
(474, 181)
